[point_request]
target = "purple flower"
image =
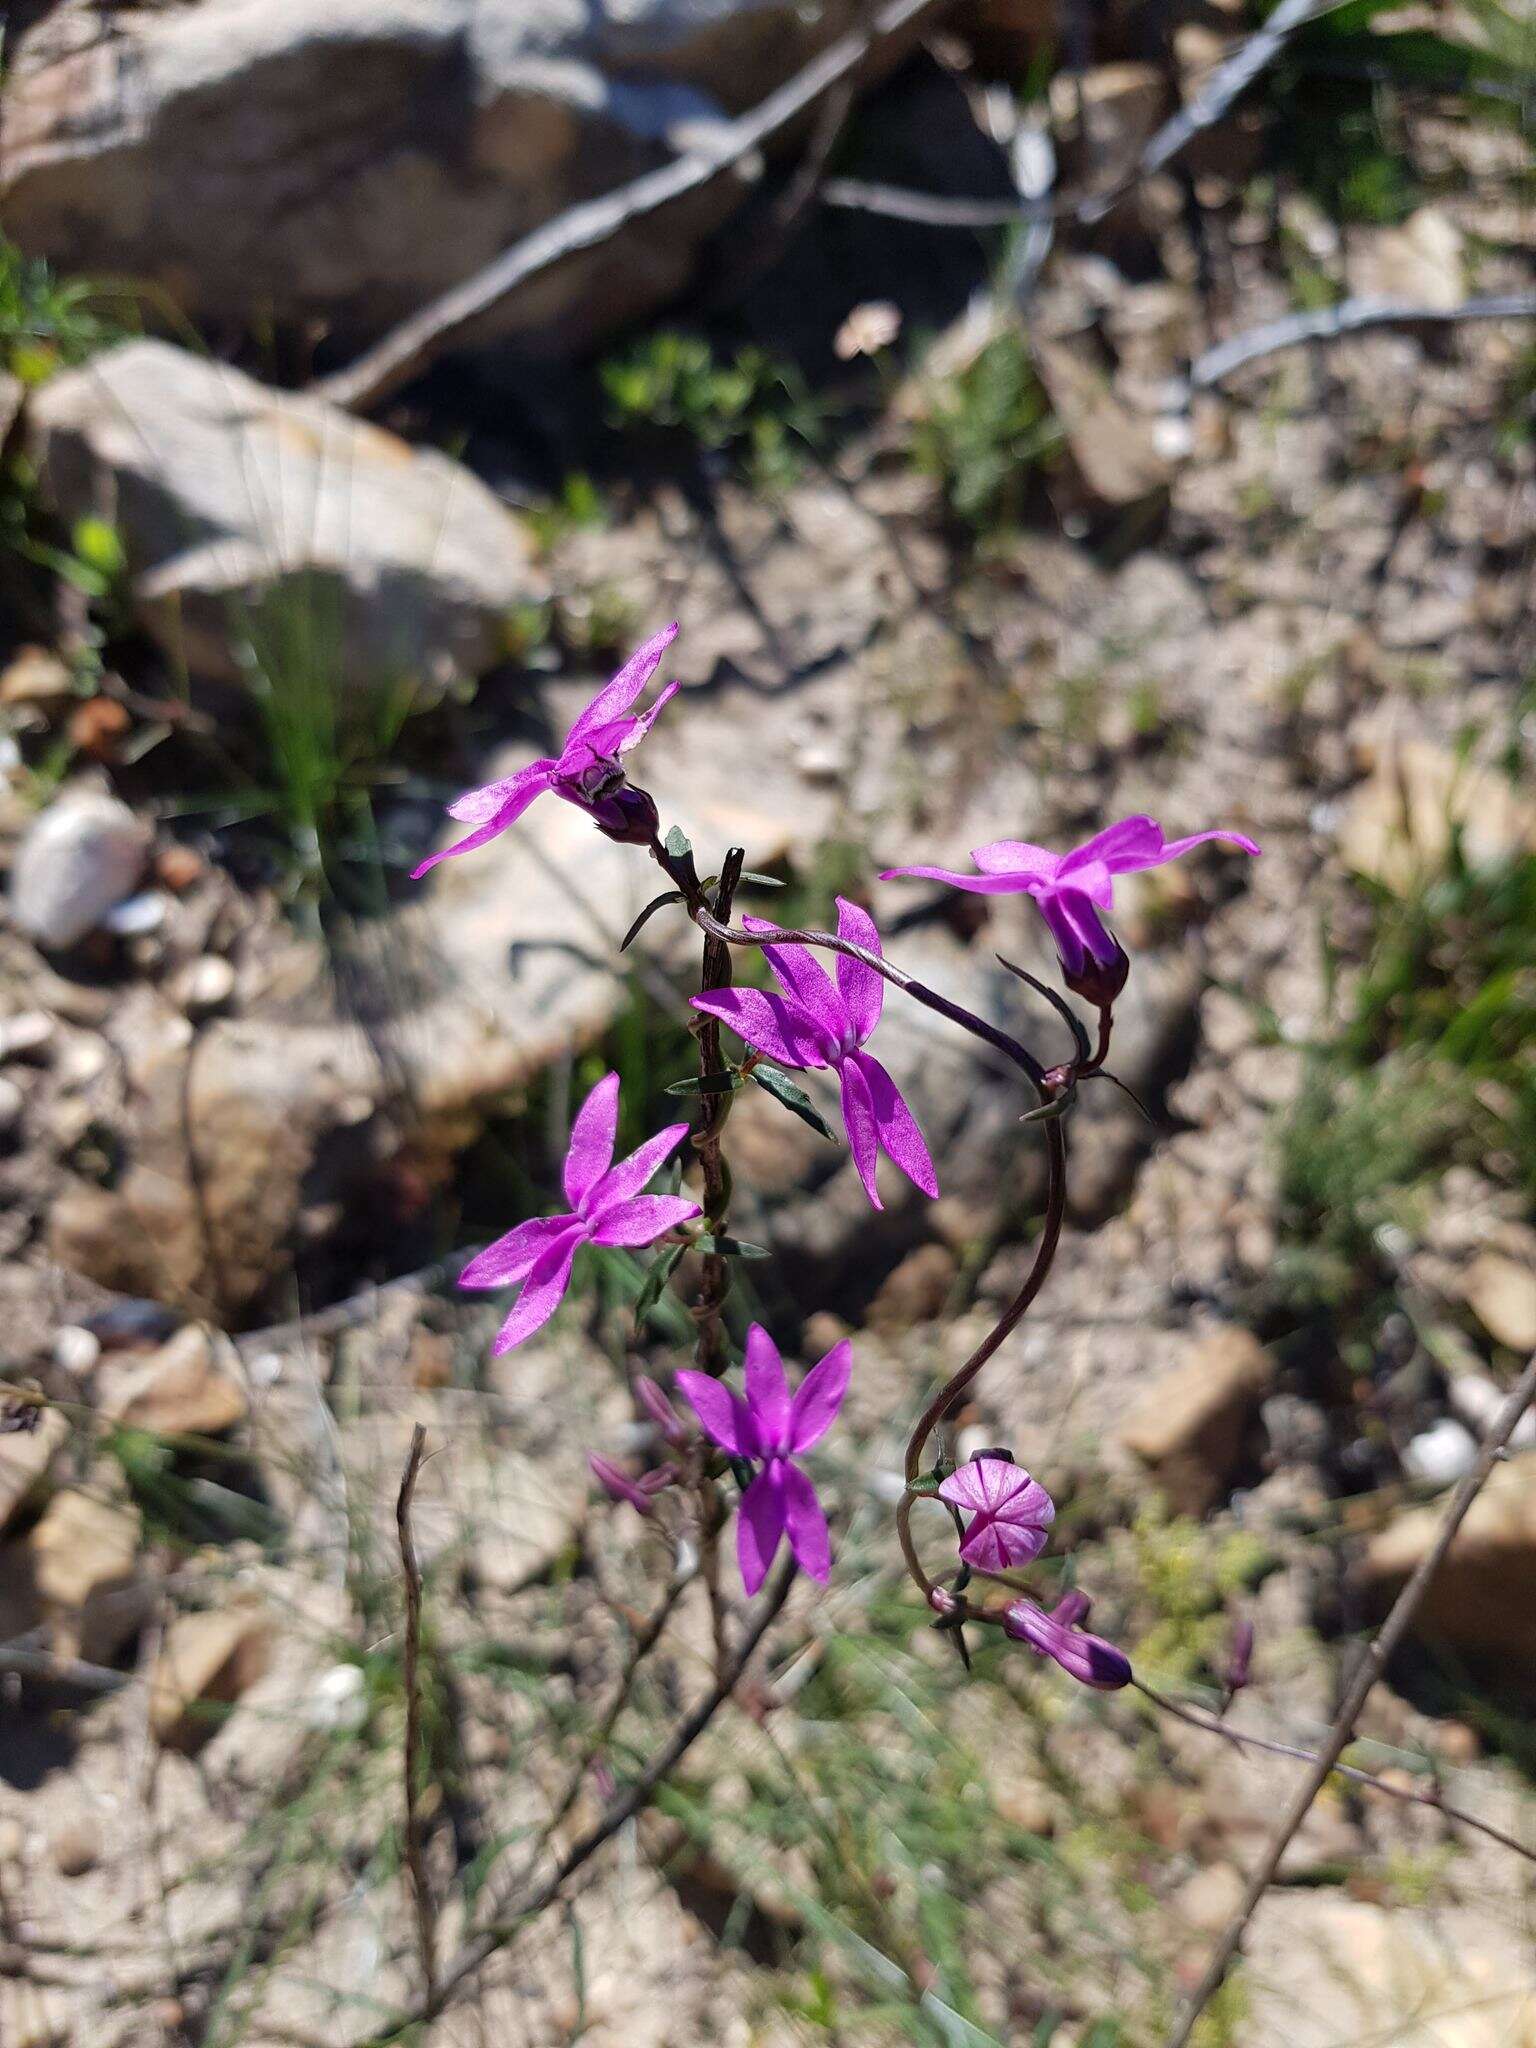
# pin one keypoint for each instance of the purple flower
(607, 1208)
(618, 1485)
(1012, 1513)
(1072, 888)
(814, 1024)
(668, 1422)
(770, 1427)
(587, 772)
(1084, 1657)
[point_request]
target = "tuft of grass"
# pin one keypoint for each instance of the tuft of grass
(752, 408)
(987, 433)
(50, 323)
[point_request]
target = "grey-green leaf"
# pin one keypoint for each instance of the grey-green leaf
(793, 1097)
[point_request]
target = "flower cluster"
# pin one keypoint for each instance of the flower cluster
(811, 1021)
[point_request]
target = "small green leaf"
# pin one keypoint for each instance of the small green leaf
(658, 1273)
(794, 1098)
(656, 903)
(762, 881)
(705, 1084)
(731, 1248)
(677, 843)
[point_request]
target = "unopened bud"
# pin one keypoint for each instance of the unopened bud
(1072, 1609)
(660, 1410)
(628, 815)
(1098, 981)
(1239, 1656)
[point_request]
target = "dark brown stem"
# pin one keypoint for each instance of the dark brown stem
(947, 1399)
(415, 1852)
(486, 1941)
(1410, 1794)
(715, 1282)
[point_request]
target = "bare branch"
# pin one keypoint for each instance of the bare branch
(1350, 316)
(410, 346)
(1378, 1654)
(415, 1854)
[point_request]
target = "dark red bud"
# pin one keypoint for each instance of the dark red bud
(628, 815)
(1099, 981)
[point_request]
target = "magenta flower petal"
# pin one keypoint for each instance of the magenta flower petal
(642, 1219)
(895, 1124)
(543, 1291)
(660, 1409)
(590, 1152)
(1032, 866)
(767, 1390)
(511, 1257)
(1089, 1659)
(618, 1485)
(805, 1524)
(724, 1416)
(504, 800)
(616, 697)
(509, 813)
(862, 990)
(639, 727)
(977, 885)
(760, 1523)
(1132, 843)
(632, 1173)
(992, 1546)
(862, 1126)
(1013, 1513)
(819, 1396)
(805, 982)
(769, 1024)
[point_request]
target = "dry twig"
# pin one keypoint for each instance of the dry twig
(1350, 316)
(1372, 1664)
(415, 1854)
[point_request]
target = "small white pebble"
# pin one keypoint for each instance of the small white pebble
(265, 1369)
(12, 1103)
(136, 915)
(1441, 1453)
(204, 985)
(340, 1699)
(75, 1349)
(27, 1031)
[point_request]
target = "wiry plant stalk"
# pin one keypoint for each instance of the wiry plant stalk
(415, 1848)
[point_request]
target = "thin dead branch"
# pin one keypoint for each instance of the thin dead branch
(409, 347)
(1350, 316)
(415, 1849)
(1373, 1663)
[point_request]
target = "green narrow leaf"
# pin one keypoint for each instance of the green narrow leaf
(656, 903)
(793, 1097)
(731, 1248)
(677, 843)
(705, 1084)
(658, 1273)
(762, 881)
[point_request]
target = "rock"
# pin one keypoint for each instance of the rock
(34, 675)
(1441, 1453)
(238, 504)
(136, 916)
(279, 1114)
(1190, 1430)
(12, 1107)
(1397, 825)
(75, 1846)
(25, 1456)
(1421, 262)
(1113, 450)
(206, 1661)
(79, 1566)
(76, 1350)
(1207, 1901)
(13, 394)
(298, 162)
(204, 985)
(13, 1841)
(916, 1290)
(1479, 1601)
(190, 1387)
(29, 1031)
(81, 856)
(1501, 1293)
(1477, 1401)
(339, 1698)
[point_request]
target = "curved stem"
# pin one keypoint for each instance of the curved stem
(1409, 1794)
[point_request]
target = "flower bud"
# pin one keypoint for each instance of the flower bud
(628, 815)
(1098, 981)
(1239, 1657)
(660, 1410)
(1088, 1659)
(1072, 1609)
